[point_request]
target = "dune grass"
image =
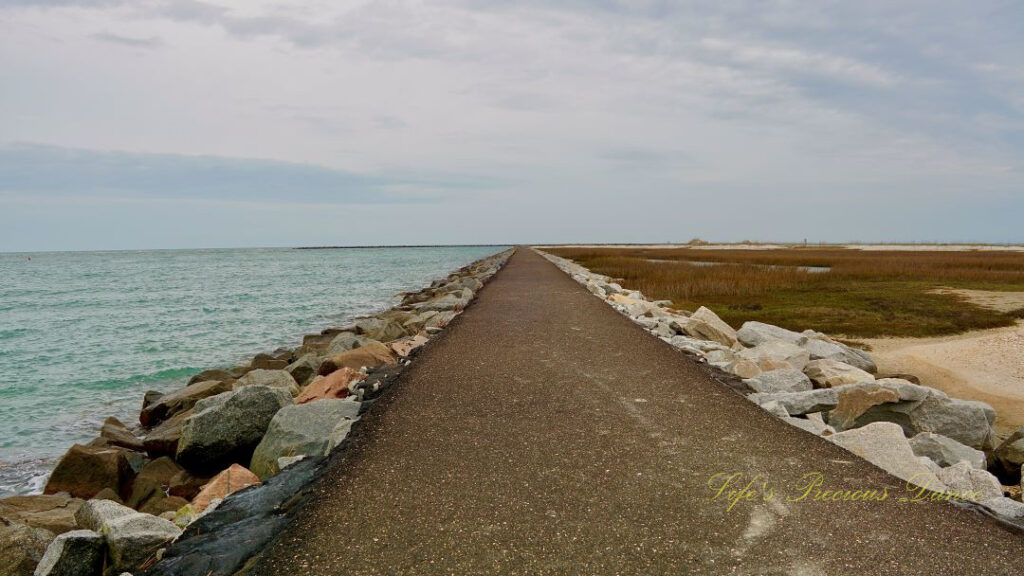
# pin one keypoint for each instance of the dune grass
(863, 293)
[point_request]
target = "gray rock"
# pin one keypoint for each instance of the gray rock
(227, 428)
(799, 403)
(1009, 456)
(816, 427)
(21, 547)
(380, 329)
(271, 378)
(452, 301)
(779, 381)
(830, 373)
(970, 483)
(755, 333)
(1006, 507)
(776, 354)
(821, 347)
(304, 369)
(312, 429)
(75, 553)
(884, 445)
(775, 409)
(131, 540)
(95, 514)
(707, 325)
(946, 451)
(965, 421)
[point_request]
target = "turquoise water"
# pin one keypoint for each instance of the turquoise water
(84, 334)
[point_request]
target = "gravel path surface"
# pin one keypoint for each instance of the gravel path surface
(543, 433)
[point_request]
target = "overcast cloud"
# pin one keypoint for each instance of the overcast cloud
(191, 123)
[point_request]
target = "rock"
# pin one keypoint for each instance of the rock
(884, 445)
(1006, 507)
(334, 385)
(181, 400)
(970, 483)
(369, 356)
(286, 461)
(853, 401)
(779, 381)
(75, 553)
(775, 409)
(798, 403)
(830, 373)
(909, 391)
(235, 478)
(95, 514)
(52, 512)
(133, 539)
(226, 428)
(117, 434)
(21, 548)
(773, 354)
(312, 429)
(151, 397)
(452, 301)
(108, 494)
(218, 374)
(1009, 456)
(815, 427)
(755, 333)
(707, 325)
(380, 329)
(946, 451)
(346, 341)
(153, 480)
(85, 470)
(440, 320)
(267, 362)
(743, 368)
(164, 438)
(965, 421)
(900, 376)
(186, 485)
(160, 504)
(405, 347)
(821, 347)
(304, 369)
(270, 378)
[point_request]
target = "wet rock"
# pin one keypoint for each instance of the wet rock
(226, 428)
(854, 401)
(153, 480)
(269, 378)
(75, 553)
(946, 451)
(85, 470)
(150, 397)
(181, 400)
(235, 478)
(304, 369)
(52, 512)
(334, 385)
(775, 354)
(369, 356)
(312, 429)
(779, 381)
(163, 439)
(884, 445)
(970, 483)
(830, 373)
(21, 548)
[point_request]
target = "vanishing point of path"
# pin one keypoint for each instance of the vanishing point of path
(543, 433)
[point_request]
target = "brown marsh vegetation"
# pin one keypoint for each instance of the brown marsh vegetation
(858, 294)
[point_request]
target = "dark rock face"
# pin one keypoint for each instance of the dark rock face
(76, 553)
(85, 470)
(181, 400)
(117, 434)
(21, 548)
(153, 480)
(163, 440)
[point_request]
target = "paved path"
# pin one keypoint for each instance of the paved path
(545, 433)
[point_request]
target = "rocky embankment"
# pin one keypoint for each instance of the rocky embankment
(832, 390)
(208, 477)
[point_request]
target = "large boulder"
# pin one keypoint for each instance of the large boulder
(269, 378)
(1009, 456)
(52, 512)
(968, 422)
(21, 548)
(235, 478)
(831, 373)
(312, 429)
(153, 481)
(334, 385)
(117, 434)
(85, 470)
(346, 341)
(181, 400)
(755, 333)
(134, 539)
(219, 374)
(95, 514)
(820, 347)
(452, 301)
(884, 445)
(226, 428)
(163, 440)
(776, 354)
(380, 329)
(855, 400)
(304, 369)
(75, 553)
(405, 347)
(970, 483)
(1006, 507)
(779, 381)
(799, 403)
(369, 356)
(706, 325)
(946, 451)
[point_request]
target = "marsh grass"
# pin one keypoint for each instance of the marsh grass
(863, 294)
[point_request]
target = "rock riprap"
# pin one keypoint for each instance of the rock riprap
(312, 429)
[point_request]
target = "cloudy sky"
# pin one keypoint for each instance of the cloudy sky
(194, 123)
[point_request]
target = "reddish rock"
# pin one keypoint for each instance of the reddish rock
(856, 401)
(85, 470)
(180, 400)
(369, 355)
(187, 485)
(334, 385)
(406, 346)
(227, 482)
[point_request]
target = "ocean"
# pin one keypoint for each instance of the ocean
(83, 335)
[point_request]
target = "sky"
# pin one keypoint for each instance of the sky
(194, 123)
